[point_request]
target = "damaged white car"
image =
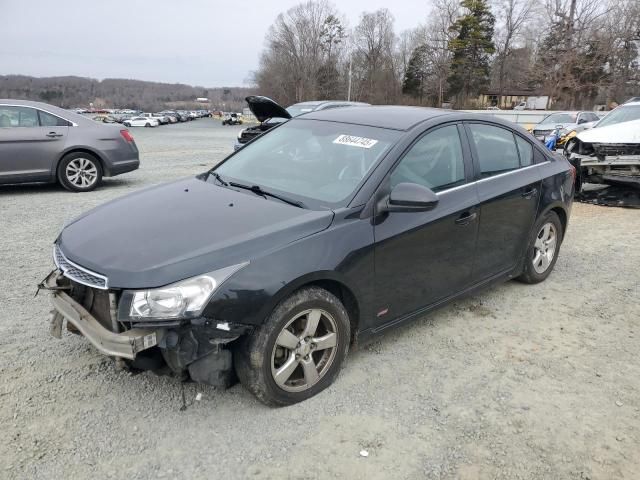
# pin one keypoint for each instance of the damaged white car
(610, 152)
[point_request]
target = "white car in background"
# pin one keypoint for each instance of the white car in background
(141, 122)
(609, 153)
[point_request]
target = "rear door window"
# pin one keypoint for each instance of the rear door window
(496, 149)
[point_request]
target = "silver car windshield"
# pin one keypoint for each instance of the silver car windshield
(317, 162)
(561, 118)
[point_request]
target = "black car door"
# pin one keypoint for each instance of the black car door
(422, 257)
(509, 190)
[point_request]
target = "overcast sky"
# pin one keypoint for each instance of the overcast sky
(199, 42)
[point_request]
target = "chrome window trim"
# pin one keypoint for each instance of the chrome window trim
(510, 172)
(73, 124)
(75, 265)
(475, 182)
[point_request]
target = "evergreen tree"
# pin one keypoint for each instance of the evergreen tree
(471, 47)
(416, 73)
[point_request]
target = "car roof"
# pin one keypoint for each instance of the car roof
(321, 103)
(382, 116)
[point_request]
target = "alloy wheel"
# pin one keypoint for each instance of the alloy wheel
(305, 350)
(544, 248)
(81, 172)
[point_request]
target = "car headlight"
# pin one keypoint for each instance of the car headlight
(184, 299)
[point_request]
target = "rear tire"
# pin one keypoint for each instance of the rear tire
(79, 172)
(147, 125)
(298, 351)
(543, 249)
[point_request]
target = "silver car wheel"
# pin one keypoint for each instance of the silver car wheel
(544, 248)
(82, 172)
(305, 350)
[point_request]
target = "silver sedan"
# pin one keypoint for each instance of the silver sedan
(44, 143)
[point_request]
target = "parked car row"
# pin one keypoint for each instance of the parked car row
(142, 119)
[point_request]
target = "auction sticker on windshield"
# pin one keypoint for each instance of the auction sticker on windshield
(352, 141)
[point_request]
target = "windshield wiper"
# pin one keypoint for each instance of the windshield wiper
(257, 189)
(217, 176)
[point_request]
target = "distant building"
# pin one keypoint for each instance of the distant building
(202, 100)
(512, 98)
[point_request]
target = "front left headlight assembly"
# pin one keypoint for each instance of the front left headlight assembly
(181, 300)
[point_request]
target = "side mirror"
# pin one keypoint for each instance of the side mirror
(582, 120)
(409, 197)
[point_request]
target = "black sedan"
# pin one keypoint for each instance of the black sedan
(324, 232)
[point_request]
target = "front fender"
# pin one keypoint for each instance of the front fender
(250, 295)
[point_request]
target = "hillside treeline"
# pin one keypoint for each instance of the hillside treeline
(69, 92)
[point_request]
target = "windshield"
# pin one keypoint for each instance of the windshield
(561, 118)
(621, 114)
(319, 163)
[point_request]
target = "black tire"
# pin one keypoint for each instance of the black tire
(530, 274)
(127, 124)
(66, 179)
(254, 355)
(147, 125)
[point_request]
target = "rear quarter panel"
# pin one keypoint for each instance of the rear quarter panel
(104, 141)
(557, 185)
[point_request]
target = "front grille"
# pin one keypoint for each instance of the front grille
(616, 149)
(78, 273)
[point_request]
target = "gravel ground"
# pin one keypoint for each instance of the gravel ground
(519, 382)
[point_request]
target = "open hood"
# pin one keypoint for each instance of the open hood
(264, 108)
(626, 132)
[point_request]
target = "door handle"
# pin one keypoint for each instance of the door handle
(529, 193)
(466, 218)
(53, 134)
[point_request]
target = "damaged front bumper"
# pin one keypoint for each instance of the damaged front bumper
(611, 169)
(196, 346)
(125, 344)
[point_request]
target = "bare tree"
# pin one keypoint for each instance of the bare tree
(299, 44)
(374, 42)
(512, 15)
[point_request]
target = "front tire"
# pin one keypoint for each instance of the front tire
(79, 172)
(543, 249)
(298, 351)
